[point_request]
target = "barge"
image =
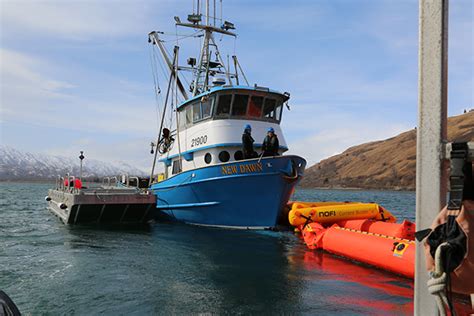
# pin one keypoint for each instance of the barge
(111, 202)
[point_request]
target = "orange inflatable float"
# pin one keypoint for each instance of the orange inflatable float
(331, 212)
(301, 204)
(404, 230)
(364, 232)
(389, 253)
(385, 252)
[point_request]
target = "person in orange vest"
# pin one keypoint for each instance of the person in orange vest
(76, 183)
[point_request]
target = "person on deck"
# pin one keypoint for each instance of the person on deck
(166, 141)
(247, 143)
(270, 144)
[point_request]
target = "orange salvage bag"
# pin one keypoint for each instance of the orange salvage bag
(404, 230)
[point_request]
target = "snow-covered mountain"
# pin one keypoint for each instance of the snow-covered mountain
(16, 164)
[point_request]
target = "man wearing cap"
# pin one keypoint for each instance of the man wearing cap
(270, 144)
(247, 143)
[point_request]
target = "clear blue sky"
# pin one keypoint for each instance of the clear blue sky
(76, 75)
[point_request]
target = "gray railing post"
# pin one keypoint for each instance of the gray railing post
(431, 176)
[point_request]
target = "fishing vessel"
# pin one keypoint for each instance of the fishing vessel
(205, 177)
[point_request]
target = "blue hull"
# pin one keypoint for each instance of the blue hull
(243, 194)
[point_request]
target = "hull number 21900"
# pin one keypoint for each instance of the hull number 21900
(198, 141)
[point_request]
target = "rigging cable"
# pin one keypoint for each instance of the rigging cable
(156, 86)
(159, 61)
(167, 52)
(176, 104)
(162, 66)
(176, 73)
(195, 34)
(170, 113)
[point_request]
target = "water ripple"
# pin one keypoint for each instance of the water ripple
(49, 268)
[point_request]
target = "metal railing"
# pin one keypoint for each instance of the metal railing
(109, 181)
(66, 184)
(126, 180)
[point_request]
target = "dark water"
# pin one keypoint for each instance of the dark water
(48, 268)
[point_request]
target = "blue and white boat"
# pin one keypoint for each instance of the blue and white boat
(205, 180)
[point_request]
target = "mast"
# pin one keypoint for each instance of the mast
(203, 64)
(207, 12)
(203, 68)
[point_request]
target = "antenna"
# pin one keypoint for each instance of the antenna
(207, 12)
(202, 67)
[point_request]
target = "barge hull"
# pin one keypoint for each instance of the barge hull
(101, 206)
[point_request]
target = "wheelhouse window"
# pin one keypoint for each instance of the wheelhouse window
(182, 119)
(189, 115)
(223, 105)
(196, 111)
(269, 108)
(239, 106)
(255, 106)
(278, 111)
(206, 106)
(176, 166)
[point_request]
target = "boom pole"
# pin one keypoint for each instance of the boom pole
(164, 112)
(154, 38)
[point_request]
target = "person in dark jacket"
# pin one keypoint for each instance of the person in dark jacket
(270, 144)
(247, 143)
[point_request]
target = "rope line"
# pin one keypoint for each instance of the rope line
(437, 282)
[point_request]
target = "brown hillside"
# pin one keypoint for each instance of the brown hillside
(386, 164)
